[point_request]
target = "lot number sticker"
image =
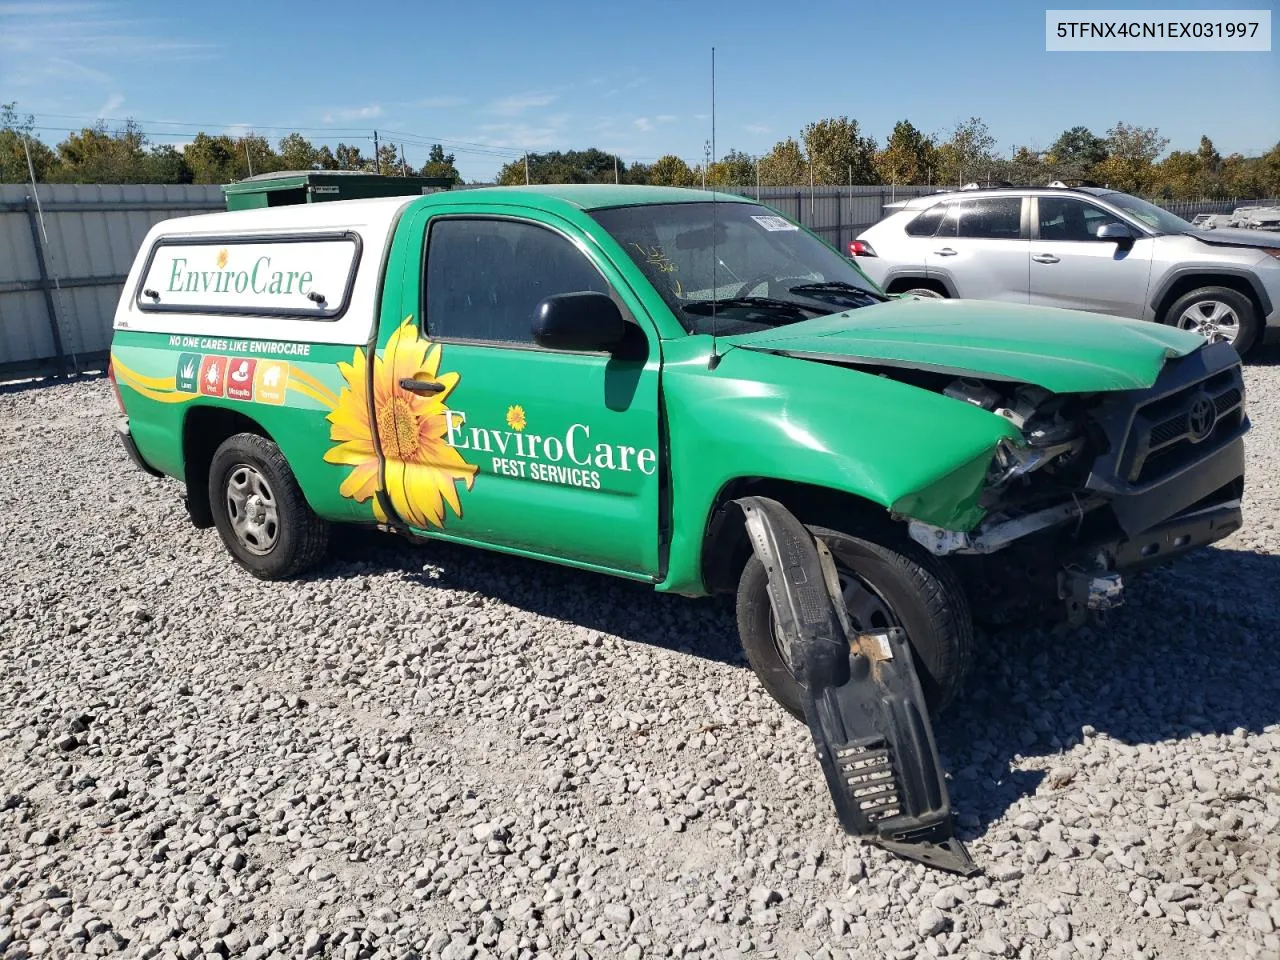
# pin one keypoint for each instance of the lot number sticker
(773, 224)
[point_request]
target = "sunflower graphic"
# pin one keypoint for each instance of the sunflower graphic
(515, 417)
(422, 470)
(222, 258)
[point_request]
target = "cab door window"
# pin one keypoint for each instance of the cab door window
(485, 277)
(1068, 220)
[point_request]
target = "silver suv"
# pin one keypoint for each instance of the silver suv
(1083, 249)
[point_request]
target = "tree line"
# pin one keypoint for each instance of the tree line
(829, 152)
(126, 155)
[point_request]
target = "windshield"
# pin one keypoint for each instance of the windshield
(754, 270)
(1154, 217)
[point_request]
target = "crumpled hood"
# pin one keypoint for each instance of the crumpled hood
(1064, 351)
(1237, 237)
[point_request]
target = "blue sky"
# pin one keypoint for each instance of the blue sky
(491, 79)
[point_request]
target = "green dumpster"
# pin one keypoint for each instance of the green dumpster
(312, 186)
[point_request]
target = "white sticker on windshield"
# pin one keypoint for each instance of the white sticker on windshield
(775, 223)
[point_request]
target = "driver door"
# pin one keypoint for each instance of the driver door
(545, 452)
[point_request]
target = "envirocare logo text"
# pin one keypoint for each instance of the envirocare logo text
(564, 459)
(259, 278)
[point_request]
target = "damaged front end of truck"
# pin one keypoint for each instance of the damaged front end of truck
(1090, 486)
(1101, 485)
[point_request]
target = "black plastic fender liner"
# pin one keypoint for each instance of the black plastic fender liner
(862, 700)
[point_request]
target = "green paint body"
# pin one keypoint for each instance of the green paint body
(631, 457)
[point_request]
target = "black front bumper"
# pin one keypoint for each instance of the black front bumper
(1169, 539)
(131, 448)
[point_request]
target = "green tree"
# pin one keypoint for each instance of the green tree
(296, 152)
(214, 159)
(95, 155)
(440, 164)
(838, 152)
(1131, 153)
(1210, 159)
(734, 169)
(967, 154)
(640, 173)
(349, 157)
(325, 160)
(908, 156)
(1075, 152)
(16, 139)
(571, 166)
(671, 171)
(785, 165)
(165, 164)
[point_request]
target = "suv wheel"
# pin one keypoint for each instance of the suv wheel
(924, 292)
(1219, 314)
(884, 585)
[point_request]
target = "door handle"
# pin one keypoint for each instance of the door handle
(421, 386)
(1044, 258)
(945, 252)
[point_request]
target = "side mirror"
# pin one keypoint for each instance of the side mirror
(1117, 232)
(578, 321)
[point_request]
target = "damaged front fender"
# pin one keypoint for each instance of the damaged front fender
(862, 700)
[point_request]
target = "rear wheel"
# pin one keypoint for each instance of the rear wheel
(884, 585)
(925, 292)
(260, 511)
(1219, 314)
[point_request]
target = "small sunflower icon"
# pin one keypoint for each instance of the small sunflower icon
(515, 417)
(222, 258)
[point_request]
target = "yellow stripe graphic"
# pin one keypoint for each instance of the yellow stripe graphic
(301, 377)
(306, 390)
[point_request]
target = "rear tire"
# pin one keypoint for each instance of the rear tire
(927, 292)
(1217, 313)
(259, 510)
(915, 592)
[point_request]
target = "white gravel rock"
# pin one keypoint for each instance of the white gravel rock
(439, 752)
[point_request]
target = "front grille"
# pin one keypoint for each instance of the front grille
(1177, 429)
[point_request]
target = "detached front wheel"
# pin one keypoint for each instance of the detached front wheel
(260, 511)
(883, 585)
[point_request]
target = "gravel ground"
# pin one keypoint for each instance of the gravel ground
(433, 751)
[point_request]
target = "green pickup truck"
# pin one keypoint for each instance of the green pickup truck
(687, 389)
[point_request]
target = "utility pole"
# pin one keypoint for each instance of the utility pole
(246, 155)
(377, 158)
(404, 169)
(615, 168)
(526, 168)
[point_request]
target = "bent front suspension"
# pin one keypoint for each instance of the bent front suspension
(862, 700)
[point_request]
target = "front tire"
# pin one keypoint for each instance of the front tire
(884, 584)
(260, 512)
(1218, 314)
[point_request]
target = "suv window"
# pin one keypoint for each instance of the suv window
(484, 278)
(1069, 219)
(991, 218)
(926, 224)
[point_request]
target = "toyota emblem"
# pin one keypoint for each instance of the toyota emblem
(1202, 418)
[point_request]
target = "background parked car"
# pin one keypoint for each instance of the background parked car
(1082, 248)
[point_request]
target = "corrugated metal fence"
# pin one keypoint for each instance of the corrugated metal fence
(59, 283)
(63, 263)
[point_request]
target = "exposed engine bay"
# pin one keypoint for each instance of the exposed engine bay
(1102, 483)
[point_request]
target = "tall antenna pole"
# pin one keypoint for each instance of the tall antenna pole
(714, 360)
(713, 104)
(377, 157)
